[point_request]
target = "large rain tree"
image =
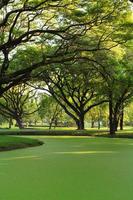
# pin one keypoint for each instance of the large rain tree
(116, 72)
(50, 29)
(18, 103)
(30, 24)
(75, 89)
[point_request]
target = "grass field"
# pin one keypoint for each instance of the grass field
(12, 142)
(69, 168)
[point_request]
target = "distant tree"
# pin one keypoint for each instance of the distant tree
(98, 115)
(128, 114)
(50, 110)
(17, 103)
(3, 119)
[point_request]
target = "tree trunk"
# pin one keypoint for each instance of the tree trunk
(99, 125)
(92, 123)
(10, 123)
(20, 123)
(35, 122)
(99, 118)
(115, 122)
(80, 123)
(111, 120)
(50, 126)
(55, 123)
(121, 119)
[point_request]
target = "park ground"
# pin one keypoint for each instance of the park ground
(12, 142)
(127, 132)
(69, 167)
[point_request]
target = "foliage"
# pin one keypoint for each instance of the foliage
(75, 92)
(80, 49)
(50, 111)
(18, 103)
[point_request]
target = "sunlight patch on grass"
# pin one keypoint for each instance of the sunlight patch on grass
(85, 152)
(21, 157)
(62, 136)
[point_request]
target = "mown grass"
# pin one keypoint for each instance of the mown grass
(13, 142)
(69, 168)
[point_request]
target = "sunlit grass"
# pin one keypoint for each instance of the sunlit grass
(75, 168)
(21, 157)
(85, 152)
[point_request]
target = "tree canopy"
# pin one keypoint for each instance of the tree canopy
(80, 49)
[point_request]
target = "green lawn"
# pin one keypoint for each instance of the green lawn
(69, 168)
(12, 142)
